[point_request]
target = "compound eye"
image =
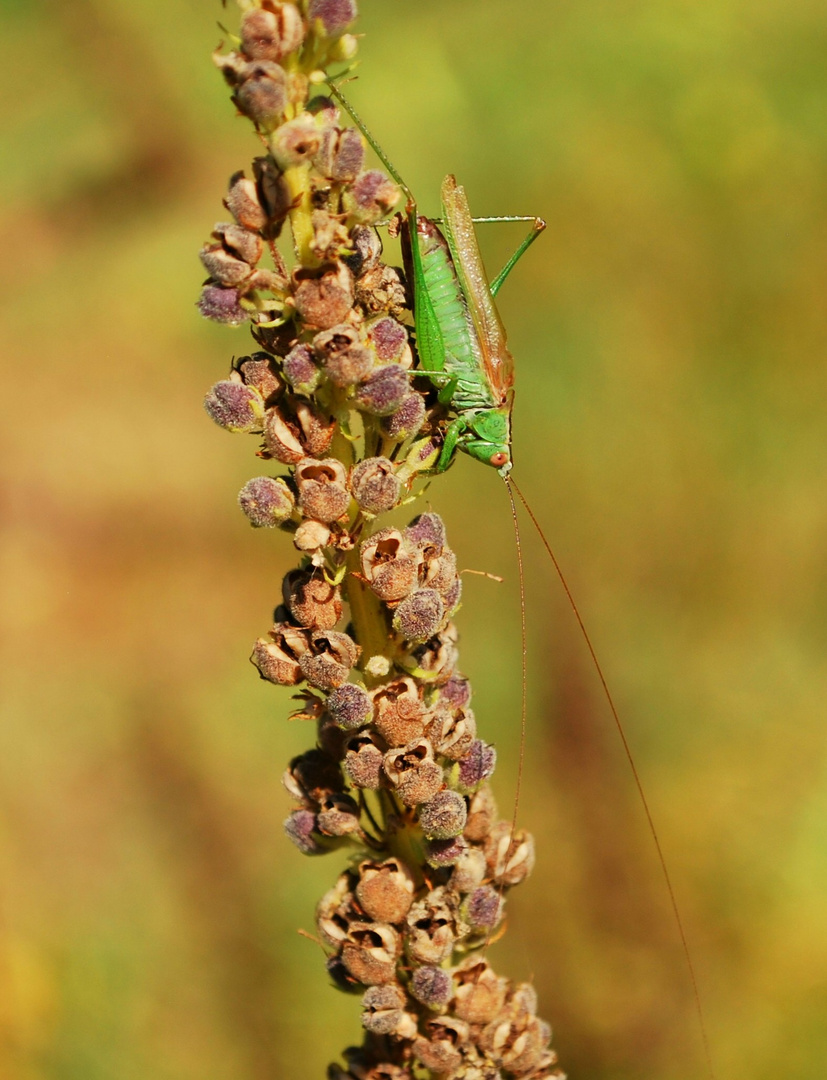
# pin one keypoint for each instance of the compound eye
(499, 459)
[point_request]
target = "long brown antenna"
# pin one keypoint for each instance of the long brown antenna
(627, 749)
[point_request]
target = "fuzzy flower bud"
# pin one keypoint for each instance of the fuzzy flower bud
(266, 501)
(375, 486)
(234, 406)
(370, 197)
(323, 493)
(329, 658)
(427, 532)
(420, 615)
(443, 853)
(389, 339)
(262, 93)
(407, 420)
(310, 536)
(363, 761)
(222, 305)
(383, 391)
(413, 773)
(432, 987)
(370, 951)
(350, 706)
(510, 858)
(301, 828)
(476, 765)
(388, 564)
(330, 18)
(385, 890)
(443, 816)
(312, 600)
(300, 371)
(271, 35)
(483, 909)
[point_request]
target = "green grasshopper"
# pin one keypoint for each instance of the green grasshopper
(460, 337)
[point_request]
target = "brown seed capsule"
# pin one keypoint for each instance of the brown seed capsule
(328, 660)
(323, 298)
(311, 777)
(338, 815)
(515, 1038)
(443, 816)
(399, 712)
(413, 773)
(243, 203)
(323, 493)
(234, 406)
(370, 951)
(441, 1051)
(407, 420)
(341, 155)
(330, 237)
(364, 760)
(244, 244)
(274, 194)
(469, 870)
(452, 731)
(336, 911)
(279, 658)
(266, 501)
(345, 358)
(281, 437)
(315, 429)
(222, 266)
(260, 371)
(384, 1011)
(350, 707)
(295, 142)
(419, 616)
(427, 532)
(271, 35)
(385, 890)
(437, 658)
(312, 600)
(375, 486)
(389, 565)
(510, 859)
(381, 290)
(261, 93)
(432, 928)
(482, 813)
(370, 197)
(367, 249)
(480, 992)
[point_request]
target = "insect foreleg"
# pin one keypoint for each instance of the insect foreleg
(453, 434)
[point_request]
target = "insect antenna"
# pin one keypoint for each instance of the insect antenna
(627, 750)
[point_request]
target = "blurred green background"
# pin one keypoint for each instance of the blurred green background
(670, 333)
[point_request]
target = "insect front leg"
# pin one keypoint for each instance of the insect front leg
(456, 429)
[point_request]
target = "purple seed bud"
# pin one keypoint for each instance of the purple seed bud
(420, 615)
(222, 305)
(350, 706)
(456, 692)
(300, 371)
(262, 94)
(383, 391)
(300, 826)
(334, 16)
(271, 35)
(266, 502)
(483, 909)
(371, 196)
(234, 406)
(388, 338)
(428, 533)
(432, 986)
(375, 486)
(407, 420)
(475, 766)
(441, 853)
(443, 816)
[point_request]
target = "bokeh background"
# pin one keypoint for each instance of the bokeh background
(670, 332)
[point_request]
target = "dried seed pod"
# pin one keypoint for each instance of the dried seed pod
(266, 501)
(329, 658)
(432, 928)
(311, 599)
(323, 298)
(271, 35)
(399, 712)
(260, 371)
(244, 204)
(350, 707)
(370, 952)
(336, 911)
(261, 93)
(407, 420)
(295, 142)
(480, 992)
(482, 814)
(375, 486)
(363, 761)
(515, 1038)
(443, 853)
(483, 908)
(330, 237)
(381, 290)
(427, 533)
(452, 731)
(384, 1011)
(443, 816)
(315, 429)
(323, 493)
(300, 370)
(330, 18)
(346, 359)
(367, 249)
(338, 815)
(311, 536)
(510, 858)
(222, 266)
(469, 870)
(419, 616)
(274, 194)
(441, 1051)
(432, 986)
(234, 406)
(389, 565)
(222, 305)
(370, 197)
(279, 658)
(301, 828)
(281, 437)
(413, 773)
(475, 766)
(341, 155)
(436, 660)
(311, 777)
(385, 890)
(383, 391)
(389, 339)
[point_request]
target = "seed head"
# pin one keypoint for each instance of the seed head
(350, 706)
(323, 493)
(432, 929)
(383, 391)
(407, 420)
(385, 890)
(261, 93)
(432, 987)
(427, 532)
(244, 204)
(312, 600)
(324, 298)
(384, 1011)
(315, 429)
(469, 870)
(480, 993)
(456, 692)
(389, 564)
(329, 658)
(452, 731)
(413, 773)
(419, 616)
(260, 371)
(338, 815)
(482, 813)
(441, 1051)
(278, 657)
(311, 536)
(437, 657)
(281, 437)
(300, 370)
(389, 339)
(234, 406)
(375, 486)
(271, 35)
(370, 952)
(476, 765)
(295, 142)
(510, 858)
(367, 249)
(399, 712)
(443, 816)
(363, 761)
(340, 155)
